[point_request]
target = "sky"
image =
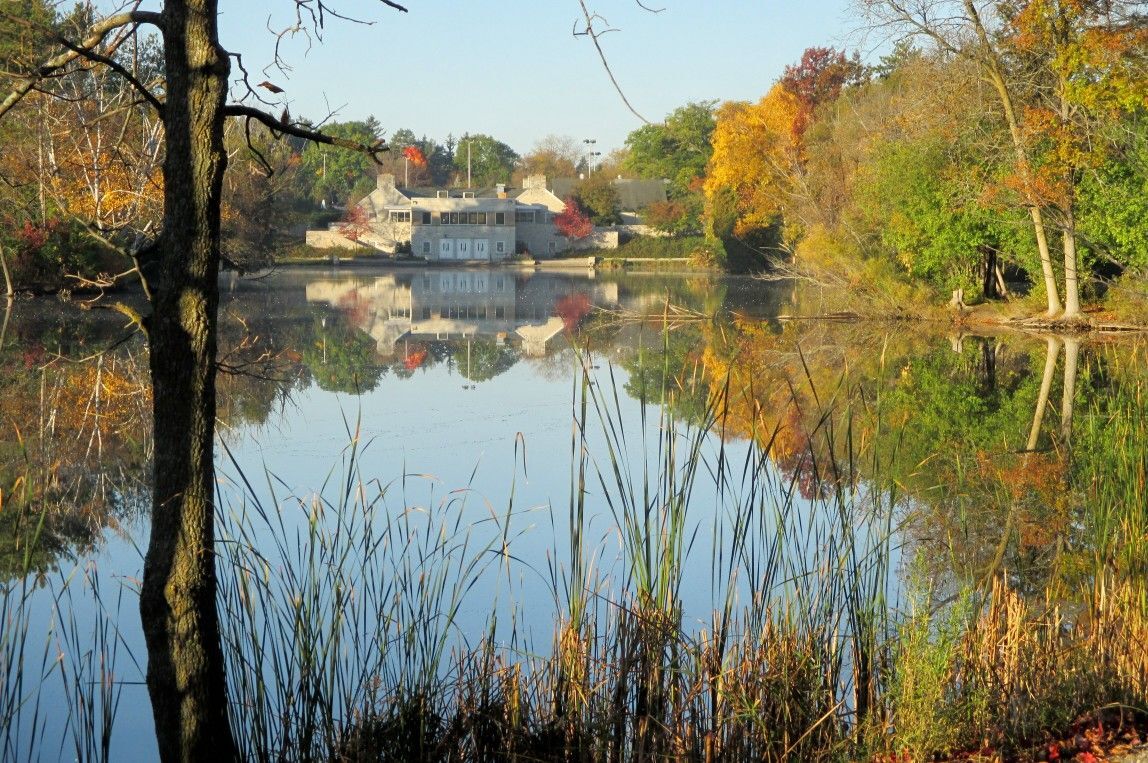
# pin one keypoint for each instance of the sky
(514, 70)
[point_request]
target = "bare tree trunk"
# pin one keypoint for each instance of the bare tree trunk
(185, 673)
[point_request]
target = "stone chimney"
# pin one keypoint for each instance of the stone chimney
(500, 190)
(385, 181)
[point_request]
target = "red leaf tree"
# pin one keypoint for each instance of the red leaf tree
(572, 222)
(354, 223)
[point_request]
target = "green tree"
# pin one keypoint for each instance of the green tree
(676, 150)
(341, 358)
(482, 359)
(598, 197)
(484, 160)
(333, 176)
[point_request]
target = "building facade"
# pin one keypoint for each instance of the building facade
(488, 225)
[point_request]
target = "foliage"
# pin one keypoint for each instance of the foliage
(487, 160)
(819, 78)
(755, 151)
(483, 359)
(335, 176)
(677, 217)
(1113, 201)
(677, 150)
(598, 197)
(436, 169)
(340, 357)
(572, 222)
(554, 156)
(261, 196)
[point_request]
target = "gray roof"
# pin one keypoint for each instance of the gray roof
(637, 194)
(431, 192)
(633, 193)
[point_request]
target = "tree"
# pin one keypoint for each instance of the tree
(756, 151)
(572, 222)
(335, 177)
(598, 197)
(819, 78)
(261, 195)
(554, 156)
(963, 29)
(676, 150)
(483, 161)
(185, 673)
(1081, 58)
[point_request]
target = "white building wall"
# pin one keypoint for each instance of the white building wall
(438, 237)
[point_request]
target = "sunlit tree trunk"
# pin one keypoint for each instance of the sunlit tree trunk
(1051, 353)
(185, 674)
(9, 292)
(996, 75)
(1068, 396)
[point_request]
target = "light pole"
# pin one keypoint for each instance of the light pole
(589, 152)
(590, 162)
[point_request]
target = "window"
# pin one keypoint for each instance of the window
(500, 218)
(500, 247)
(400, 217)
(426, 218)
(472, 218)
(426, 313)
(426, 248)
(482, 218)
(443, 218)
(500, 312)
(524, 217)
(454, 218)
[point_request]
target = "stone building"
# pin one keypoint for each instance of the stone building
(481, 225)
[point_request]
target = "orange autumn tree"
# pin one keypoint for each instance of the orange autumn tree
(756, 153)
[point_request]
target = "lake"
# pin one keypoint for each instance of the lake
(427, 462)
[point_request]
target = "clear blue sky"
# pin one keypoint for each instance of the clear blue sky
(512, 68)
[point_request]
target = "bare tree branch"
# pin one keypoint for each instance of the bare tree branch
(593, 33)
(115, 66)
(299, 131)
(96, 35)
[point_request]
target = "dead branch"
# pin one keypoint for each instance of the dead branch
(594, 33)
(299, 131)
(96, 35)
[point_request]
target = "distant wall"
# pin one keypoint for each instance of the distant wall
(599, 239)
(329, 239)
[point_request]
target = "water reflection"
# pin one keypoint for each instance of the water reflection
(962, 432)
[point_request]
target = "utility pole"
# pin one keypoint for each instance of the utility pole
(468, 164)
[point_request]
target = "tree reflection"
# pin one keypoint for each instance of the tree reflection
(74, 444)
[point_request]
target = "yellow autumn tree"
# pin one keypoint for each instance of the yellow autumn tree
(756, 154)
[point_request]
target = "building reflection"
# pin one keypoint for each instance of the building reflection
(527, 311)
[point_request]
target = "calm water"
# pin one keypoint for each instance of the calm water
(457, 393)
